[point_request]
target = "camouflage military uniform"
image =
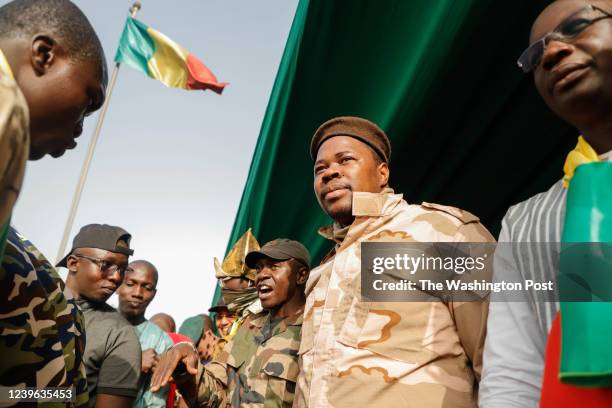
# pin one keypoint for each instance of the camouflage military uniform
(14, 144)
(257, 368)
(42, 336)
(410, 354)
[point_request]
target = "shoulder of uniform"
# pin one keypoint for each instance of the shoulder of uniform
(465, 217)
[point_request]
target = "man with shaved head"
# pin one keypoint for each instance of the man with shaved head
(137, 291)
(570, 58)
(164, 321)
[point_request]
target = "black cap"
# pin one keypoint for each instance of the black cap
(280, 249)
(101, 236)
(219, 306)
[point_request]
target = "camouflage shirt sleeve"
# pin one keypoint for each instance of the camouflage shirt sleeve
(210, 386)
(471, 317)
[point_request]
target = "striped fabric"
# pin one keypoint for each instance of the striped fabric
(538, 219)
(517, 332)
(513, 360)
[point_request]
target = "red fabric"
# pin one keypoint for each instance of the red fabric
(200, 77)
(558, 395)
(176, 338)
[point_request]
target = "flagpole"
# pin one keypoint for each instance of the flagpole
(90, 152)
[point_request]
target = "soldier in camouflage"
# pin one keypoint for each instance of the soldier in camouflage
(354, 353)
(59, 77)
(258, 367)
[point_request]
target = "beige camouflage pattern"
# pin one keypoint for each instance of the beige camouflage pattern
(14, 139)
(258, 368)
(409, 354)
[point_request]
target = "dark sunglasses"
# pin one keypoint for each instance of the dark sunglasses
(566, 31)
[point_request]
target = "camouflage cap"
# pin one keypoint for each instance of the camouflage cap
(101, 236)
(280, 249)
(355, 127)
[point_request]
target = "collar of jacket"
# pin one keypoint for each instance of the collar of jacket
(367, 205)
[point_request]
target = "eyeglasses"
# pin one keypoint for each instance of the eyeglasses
(566, 31)
(104, 265)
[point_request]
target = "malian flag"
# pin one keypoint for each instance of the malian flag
(156, 55)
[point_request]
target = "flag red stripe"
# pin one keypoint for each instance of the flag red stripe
(200, 77)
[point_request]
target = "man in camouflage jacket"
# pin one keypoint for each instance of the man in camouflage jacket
(381, 354)
(258, 367)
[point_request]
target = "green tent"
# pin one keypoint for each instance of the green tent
(440, 77)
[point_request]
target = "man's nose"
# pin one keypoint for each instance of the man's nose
(331, 172)
(115, 277)
(554, 52)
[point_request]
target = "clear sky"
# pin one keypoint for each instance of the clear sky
(170, 165)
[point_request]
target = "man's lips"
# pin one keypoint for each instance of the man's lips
(265, 289)
(566, 74)
(334, 190)
(108, 289)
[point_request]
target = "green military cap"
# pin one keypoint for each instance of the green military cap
(280, 249)
(358, 128)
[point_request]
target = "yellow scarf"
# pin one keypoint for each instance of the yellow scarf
(582, 153)
(5, 68)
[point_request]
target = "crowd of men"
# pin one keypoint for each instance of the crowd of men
(285, 332)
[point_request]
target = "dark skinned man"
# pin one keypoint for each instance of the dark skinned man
(52, 74)
(570, 57)
(258, 367)
(353, 353)
(96, 264)
(137, 291)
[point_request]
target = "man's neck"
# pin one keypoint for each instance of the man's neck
(290, 308)
(599, 136)
(71, 284)
(134, 320)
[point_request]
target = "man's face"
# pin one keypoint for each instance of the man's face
(343, 165)
(94, 282)
(224, 321)
(137, 290)
(277, 282)
(60, 92)
(574, 77)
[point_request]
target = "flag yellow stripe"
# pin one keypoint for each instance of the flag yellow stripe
(168, 63)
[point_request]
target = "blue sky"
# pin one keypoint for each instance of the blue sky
(170, 165)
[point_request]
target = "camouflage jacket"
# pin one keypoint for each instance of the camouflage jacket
(42, 337)
(257, 368)
(409, 354)
(14, 142)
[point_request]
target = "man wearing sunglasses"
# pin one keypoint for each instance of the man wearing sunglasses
(570, 57)
(96, 265)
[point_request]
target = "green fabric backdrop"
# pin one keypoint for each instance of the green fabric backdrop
(440, 77)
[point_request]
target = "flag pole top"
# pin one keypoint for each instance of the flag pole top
(135, 7)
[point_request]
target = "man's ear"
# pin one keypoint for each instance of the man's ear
(302, 275)
(44, 53)
(383, 174)
(71, 264)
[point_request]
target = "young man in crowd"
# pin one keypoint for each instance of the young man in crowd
(353, 353)
(137, 291)
(52, 74)
(570, 58)
(96, 264)
(258, 367)
(224, 319)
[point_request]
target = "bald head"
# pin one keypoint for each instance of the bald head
(164, 321)
(142, 266)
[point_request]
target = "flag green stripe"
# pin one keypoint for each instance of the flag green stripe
(136, 47)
